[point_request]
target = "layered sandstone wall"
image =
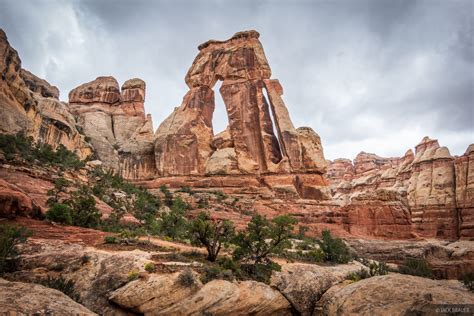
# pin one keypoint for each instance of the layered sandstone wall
(428, 193)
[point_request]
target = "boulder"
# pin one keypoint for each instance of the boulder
(220, 297)
(18, 298)
(304, 284)
(393, 294)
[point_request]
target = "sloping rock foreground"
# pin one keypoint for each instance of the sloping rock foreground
(101, 283)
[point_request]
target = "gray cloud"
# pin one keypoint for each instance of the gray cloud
(371, 75)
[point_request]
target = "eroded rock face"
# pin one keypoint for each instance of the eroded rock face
(392, 294)
(33, 299)
(426, 193)
(260, 138)
(30, 105)
(464, 170)
(115, 121)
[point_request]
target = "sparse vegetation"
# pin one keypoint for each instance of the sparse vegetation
(186, 278)
(19, 145)
(10, 238)
(418, 267)
(359, 275)
(334, 249)
(468, 280)
(61, 284)
(150, 267)
(133, 275)
(212, 234)
(173, 223)
(110, 240)
(59, 213)
(215, 271)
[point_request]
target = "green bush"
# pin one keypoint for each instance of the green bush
(214, 271)
(378, 268)
(84, 213)
(61, 284)
(150, 267)
(186, 278)
(59, 213)
(335, 250)
(10, 238)
(110, 240)
(359, 275)
(468, 280)
(186, 189)
(173, 223)
(418, 267)
(168, 195)
(259, 272)
(133, 275)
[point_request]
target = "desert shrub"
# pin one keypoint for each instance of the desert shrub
(378, 268)
(335, 250)
(203, 202)
(259, 272)
(186, 278)
(313, 255)
(359, 275)
(128, 236)
(168, 195)
(418, 267)
(84, 213)
(173, 223)
(220, 196)
(110, 239)
(10, 238)
(186, 189)
(133, 275)
(468, 280)
(145, 204)
(214, 271)
(150, 267)
(212, 234)
(61, 284)
(59, 213)
(60, 186)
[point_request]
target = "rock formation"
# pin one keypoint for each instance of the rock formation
(115, 121)
(17, 298)
(185, 143)
(427, 193)
(393, 294)
(30, 105)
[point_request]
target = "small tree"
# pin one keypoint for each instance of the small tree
(173, 223)
(10, 238)
(335, 250)
(263, 238)
(211, 234)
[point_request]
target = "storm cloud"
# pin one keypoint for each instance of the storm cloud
(372, 76)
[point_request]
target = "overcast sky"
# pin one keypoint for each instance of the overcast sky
(372, 76)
